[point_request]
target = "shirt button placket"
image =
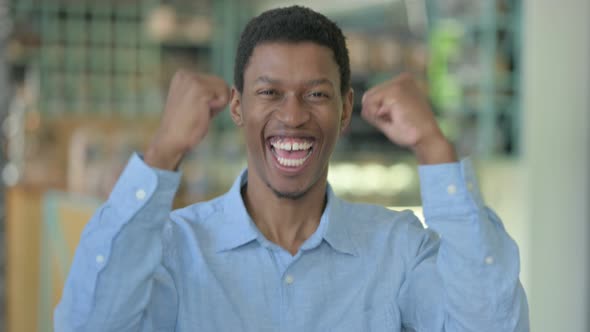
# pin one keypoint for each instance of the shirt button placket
(287, 283)
(140, 194)
(451, 189)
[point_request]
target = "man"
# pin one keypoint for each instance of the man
(279, 251)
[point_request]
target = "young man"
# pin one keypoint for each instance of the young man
(279, 251)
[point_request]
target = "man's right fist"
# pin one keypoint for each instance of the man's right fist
(193, 100)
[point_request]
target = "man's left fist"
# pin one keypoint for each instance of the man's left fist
(400, 110)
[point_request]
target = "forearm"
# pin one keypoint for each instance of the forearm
(110, 281)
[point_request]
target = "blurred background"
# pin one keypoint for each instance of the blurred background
(82, 85)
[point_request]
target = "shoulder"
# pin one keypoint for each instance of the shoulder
(376, 227)
(199, 212)
(193, 226)
(198, 218)
(375, 217)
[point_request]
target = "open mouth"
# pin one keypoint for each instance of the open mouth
(291, 152)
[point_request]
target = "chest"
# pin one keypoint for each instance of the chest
(258, 289)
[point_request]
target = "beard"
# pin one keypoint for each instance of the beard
(296, 194)
(291, 195)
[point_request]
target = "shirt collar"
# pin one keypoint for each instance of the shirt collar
(337, 223)
(237, 228)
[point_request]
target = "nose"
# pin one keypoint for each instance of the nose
(293, 112)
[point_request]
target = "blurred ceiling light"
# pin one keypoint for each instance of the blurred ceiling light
(10, 174)
(402, 176)
(161, 23)
(416, 12)
(198, 30)
(11, 123)
(370, 179)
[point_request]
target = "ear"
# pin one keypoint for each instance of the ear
(235, 107)
(346, 110)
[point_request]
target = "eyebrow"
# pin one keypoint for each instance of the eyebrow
(317, 82)
(310, 83)
(266, 79)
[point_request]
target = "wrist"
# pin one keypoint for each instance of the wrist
(161, 159)
(435, 150)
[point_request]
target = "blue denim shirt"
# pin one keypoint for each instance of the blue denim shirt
(206, 267)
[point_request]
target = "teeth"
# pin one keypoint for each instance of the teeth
(292, 162)
(287, 146)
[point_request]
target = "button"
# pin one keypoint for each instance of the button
(100, 259)
(451, 189)
(289, 279)
(140, 194)
(489, 260)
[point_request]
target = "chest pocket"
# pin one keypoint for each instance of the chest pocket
(376, 320)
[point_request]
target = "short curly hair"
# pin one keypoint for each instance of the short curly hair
(292, 24)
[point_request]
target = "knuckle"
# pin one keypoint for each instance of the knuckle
(177, 78)
(368, 97)
(404, 77)
(184, 74)
(365, 113)
(196, 79)
(180, 73)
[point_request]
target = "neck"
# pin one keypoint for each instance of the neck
(287, 222)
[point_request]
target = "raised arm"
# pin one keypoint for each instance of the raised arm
(119, 280)
(463, 271)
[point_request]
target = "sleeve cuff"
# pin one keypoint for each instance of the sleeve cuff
(140, 183)
(449, 188)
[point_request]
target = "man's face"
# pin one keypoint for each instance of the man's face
(292, 112)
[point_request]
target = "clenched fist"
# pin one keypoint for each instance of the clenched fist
(400, 110)
(193, 100)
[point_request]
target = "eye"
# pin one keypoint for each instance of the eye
(318, 95)
(268, 93)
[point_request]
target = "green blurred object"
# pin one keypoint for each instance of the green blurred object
(445, 43)
(474, 73)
